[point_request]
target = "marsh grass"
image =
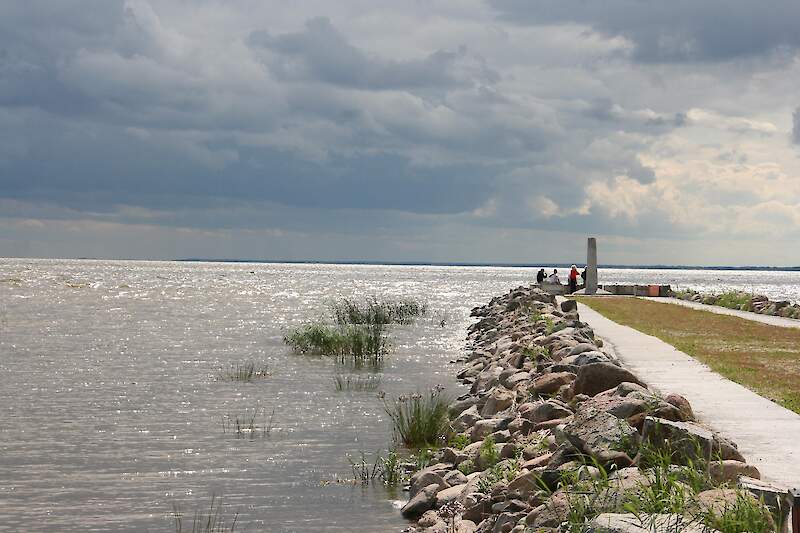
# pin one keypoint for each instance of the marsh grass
(420, 420)
(249, 423)
(245, 371)
(357, 382)
(363, 344)
(758, 356)
(211, 521)
(389, 470)
(375, 311)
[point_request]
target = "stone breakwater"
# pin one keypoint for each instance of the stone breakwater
(743, 301)
(556, 435)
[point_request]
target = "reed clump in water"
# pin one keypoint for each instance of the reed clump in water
(356, 382)
(358, 332)
(363, 343)
(375, 311)
(245, 371)
(250, 423)
(212, 521)
(420, 420)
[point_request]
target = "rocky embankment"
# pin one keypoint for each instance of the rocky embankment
(755, 303)
(556, 435)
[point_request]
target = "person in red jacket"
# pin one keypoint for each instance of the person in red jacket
(573, 279)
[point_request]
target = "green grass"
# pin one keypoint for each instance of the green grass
(734, 300)
(375, 311)
(764, 358)
(212, 521)
(745, 514)
(245, 371)
(488, 452)
(356, 382)
(420, 420)
(364, 344)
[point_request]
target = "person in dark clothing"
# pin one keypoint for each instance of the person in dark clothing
(573, 279)
(540, 276)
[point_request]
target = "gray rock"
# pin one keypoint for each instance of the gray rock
(466, 419)
(455, 477)
(448, 495)
(588, 358)
(550, 383)
(499, 399)
(582, 348)
(689, 440)
(598, 377)
(568, 306)
(602, 436)
(423, 501)
(548, 410)
(425, 480)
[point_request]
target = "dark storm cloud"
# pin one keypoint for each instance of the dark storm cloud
(320, 52)
(100, 169)
(677, 30)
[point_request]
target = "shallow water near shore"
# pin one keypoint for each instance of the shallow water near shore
(112, 411)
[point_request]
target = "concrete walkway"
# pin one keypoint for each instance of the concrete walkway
(747, 315)
(767, 434)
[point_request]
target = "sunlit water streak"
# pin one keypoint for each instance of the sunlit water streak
(110, 410)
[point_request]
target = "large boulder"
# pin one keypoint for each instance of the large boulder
(598, 377)
(466, 419)
(425, 480)
(602, 436)
(551, 513)
(688, 440)
(499, 399)
(548, 410)
(424, 500)
(550, 383)
(724, 471)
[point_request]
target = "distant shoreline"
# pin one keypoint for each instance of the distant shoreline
(499, 265)
(430, 263)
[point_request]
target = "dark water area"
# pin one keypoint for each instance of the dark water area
(111, 410)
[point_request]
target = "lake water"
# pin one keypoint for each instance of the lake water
(111, 411)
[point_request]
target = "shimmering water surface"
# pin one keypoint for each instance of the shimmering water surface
(111, 410)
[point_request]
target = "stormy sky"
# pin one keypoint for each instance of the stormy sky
(452, 130)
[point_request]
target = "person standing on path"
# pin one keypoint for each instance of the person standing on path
(573, 279)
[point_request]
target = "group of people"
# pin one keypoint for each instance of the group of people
(572, 279)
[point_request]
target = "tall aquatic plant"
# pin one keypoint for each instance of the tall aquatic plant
(375, 311)
(363, 344)
(420, 420)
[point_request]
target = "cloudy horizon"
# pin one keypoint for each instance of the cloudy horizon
(491, 131)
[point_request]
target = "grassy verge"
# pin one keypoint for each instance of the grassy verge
(763, 358)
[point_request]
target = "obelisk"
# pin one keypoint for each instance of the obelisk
(591, 266)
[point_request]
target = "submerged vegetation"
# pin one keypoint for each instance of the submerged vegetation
(358, 331)
(245, 371)
(356, 382)
(212, 521)
(375, 311)
(420, 420)
(250, 423)
(363, 344)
